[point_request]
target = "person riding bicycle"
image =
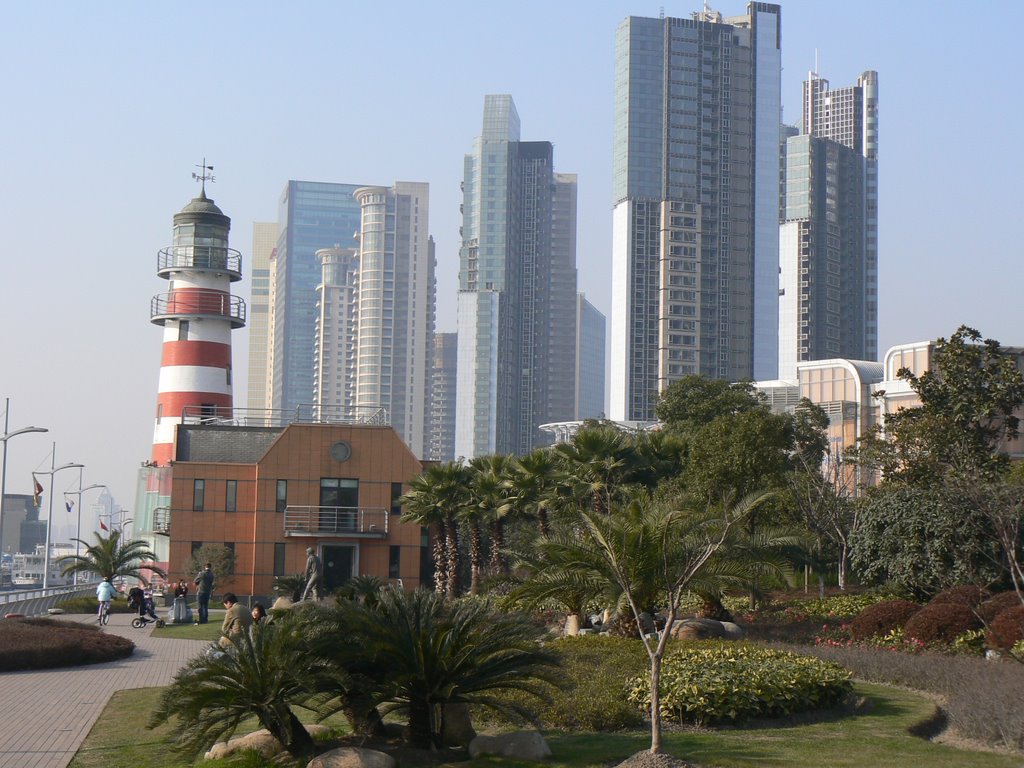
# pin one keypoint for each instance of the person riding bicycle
(104, 593)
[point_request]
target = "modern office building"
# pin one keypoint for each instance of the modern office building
(443, 397)
(850, 116)
(590, 359)
(516, 262)
(828, 239)
(264, 240)
(311, 215)
(334, 351)
(695, 187)
(394, 338)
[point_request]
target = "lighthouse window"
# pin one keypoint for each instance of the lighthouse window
(183, 330)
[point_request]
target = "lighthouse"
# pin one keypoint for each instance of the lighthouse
(198, 314)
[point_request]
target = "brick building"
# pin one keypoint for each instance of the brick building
(268, 493)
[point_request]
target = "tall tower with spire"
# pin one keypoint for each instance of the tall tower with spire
(198, 314)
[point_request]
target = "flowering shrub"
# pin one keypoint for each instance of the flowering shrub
(718, 682)
(834, 636)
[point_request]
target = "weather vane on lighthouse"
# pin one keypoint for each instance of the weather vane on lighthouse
(203, 176)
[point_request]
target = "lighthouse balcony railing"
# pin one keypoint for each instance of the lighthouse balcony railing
(199, 258)
(306, 413)
(351, 522)
(186, 303)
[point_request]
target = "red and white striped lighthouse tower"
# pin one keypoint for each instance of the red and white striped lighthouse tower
(198, 314)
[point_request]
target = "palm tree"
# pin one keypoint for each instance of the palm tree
(491, 498)
(429, 653)
(110, 558)
(594, 464)
(535, 480)
(435, 500)
(266, 672)
(647, 549)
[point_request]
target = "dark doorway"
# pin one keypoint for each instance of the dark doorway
(338, 564)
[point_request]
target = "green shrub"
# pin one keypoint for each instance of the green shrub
(839, 606)
(941, 623)
(971, 642)
(996, 604)
(965, 594)
(88, 604)
(1007, 628)
(881, 618)
(723, 682)
(592, 696)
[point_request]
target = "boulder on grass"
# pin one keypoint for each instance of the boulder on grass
(352, 757)
(260, 740)
(518, 745)
(457, 725)
(698, 629)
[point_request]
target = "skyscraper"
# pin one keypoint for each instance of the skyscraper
(311, 216)
(394, 338)
(337, 324)
(696, 187)
(443, 397)
(590, 344)
(516, 262)
(849, 116)
(264, 239)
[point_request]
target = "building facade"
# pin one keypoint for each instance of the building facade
(397, 288)
(264, 240)
(695, 188)
(311, 216)
(849, 116)
(334, 351)
(443, 391)
(516, 263)
(268, 493)
(590, 359)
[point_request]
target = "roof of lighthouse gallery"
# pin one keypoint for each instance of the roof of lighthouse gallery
(202, 204)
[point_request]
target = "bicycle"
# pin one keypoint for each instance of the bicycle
(104, 612)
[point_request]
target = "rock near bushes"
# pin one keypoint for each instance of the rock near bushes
(518, 745)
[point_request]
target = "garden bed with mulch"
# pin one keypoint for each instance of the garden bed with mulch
(37, 643)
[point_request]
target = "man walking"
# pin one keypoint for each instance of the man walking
(204, 588)
(314, 575)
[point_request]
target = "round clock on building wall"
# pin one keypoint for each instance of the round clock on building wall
(341, 451)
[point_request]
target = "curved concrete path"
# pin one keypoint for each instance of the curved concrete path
(48, 713)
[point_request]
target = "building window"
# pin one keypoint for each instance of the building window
(231, 496)
(198, 495)
(282, 495)
(394, 562)
(279, 559)
(396, 494)
(196, 545)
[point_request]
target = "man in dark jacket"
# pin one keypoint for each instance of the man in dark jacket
(204, 588)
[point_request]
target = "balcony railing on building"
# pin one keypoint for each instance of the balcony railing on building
(185, 303)
(304, 413)
(162, 521)
(199, 258)
(352, 522)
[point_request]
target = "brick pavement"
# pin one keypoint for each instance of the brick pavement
(48, 713)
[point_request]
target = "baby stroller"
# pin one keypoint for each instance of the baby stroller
(147, 612)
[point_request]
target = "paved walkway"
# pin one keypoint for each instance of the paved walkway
(48, 713)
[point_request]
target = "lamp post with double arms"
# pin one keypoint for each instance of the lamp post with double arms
(78, 494)
(49, 517)
(3, 466)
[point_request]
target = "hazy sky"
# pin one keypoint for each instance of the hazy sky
(107, 106)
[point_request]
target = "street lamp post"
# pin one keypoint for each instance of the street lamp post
(3, 466)
(49, 517)
(78, 494)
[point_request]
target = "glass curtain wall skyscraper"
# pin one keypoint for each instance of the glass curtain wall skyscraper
(696, 189)
(311, 216)
(264, 239)
(516, 263)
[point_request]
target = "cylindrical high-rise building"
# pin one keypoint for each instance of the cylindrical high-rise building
(198, 314)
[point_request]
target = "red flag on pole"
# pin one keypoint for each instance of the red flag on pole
(102, 526)
(37, 491)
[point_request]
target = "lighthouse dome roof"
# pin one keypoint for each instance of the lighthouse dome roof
(202, 204)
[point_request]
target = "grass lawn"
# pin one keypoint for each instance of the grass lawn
(878, 738)
(208, 631)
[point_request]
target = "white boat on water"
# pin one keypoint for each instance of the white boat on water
(27, 568)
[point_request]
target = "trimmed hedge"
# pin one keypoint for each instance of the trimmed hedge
(997, 604)
(1007, 628)
(966, 594)
(727, 682)
(882, 618)
(45, 643)
(941, 623)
